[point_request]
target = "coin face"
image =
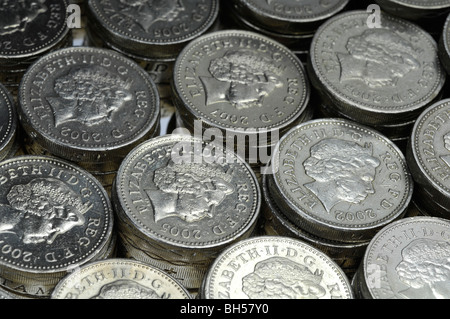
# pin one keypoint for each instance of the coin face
(409, 259)
(238, 80)
(429, 151)
(288, 16)
(8, 122)
(340, 180)
(28, 28)
(88, 104)
(153, 28)
(390, 82)
(204, 204)
(54, 216)
(119, 279)
(275, 268)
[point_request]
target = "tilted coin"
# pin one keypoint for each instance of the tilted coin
(88, 105)
(273, 267)
(428, 152)
(444, 45)
(240, 82)
(119, 278)
(156, 29)
(8, 122)
(186, 209)
(408, 259)
(288, 17)
(340, 180)
(380, 75)
(30, 28)
(54, 217)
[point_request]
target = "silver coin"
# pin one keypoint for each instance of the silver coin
(204, 205)
(288, 17)
(277, 268)
(392, 82)
(340, 180)
(88, 105)
(240, 82)
(409, 260)
(31, 28)
(444, 45)
(55, 216)
(428, 153)
(157, 29)
(119, 279)
(8, 122)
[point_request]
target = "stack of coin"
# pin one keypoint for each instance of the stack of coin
(274, 267)
(179, 201)
(28, 30)
(8, 123)
(408, 259)
(339, 180)
(292, 24)
(89, 106)
(120, 279)
(239, 84)
(380, 77)
(346, 255)
(150, 32)
(428, 156)
(54, 217)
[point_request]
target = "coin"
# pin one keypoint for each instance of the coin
(8, 122)
(271, 267)
(88, 105)
(240, 82)
(408, 259)
(392, 82)
(30, 28)
(444, 45)
(184, 211)
(428, 152)
(287, 17)
(119, 279)
(415, 9)
(340, 180)
(55, 216)
(156, 29)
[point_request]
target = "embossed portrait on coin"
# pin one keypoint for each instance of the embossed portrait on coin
(377, 57)
(241, 78)
(425, 269)
(343, 171)
(126, 289)
(190, 192)
(16, 15)
(281, 278)
(41, 210)
(446, 158)
(89, 96)
(146, 12)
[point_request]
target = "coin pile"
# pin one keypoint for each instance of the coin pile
(239, 84)
(407, 259)
(428, 156)
(54, 217)
(274, 268)
(120, 279)
(29, 30)
(380, 77)
(89, 106)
